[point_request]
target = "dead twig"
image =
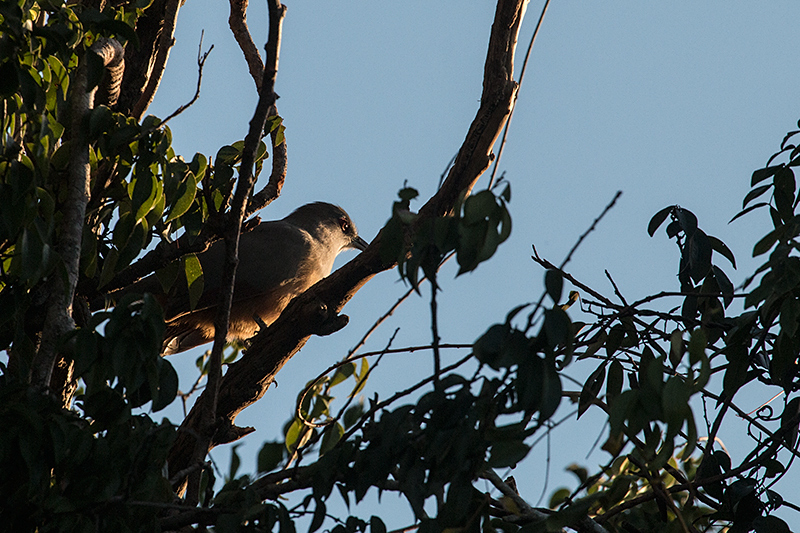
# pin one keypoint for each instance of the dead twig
(201, 61)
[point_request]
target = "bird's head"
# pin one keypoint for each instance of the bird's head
(329, 224)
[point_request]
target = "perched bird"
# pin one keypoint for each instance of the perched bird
(278, 260)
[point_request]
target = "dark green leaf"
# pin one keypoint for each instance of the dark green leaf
(342, 373)
(698, 249)
(770, 524)
(319, 516)
(551, 392)
(229, 155)
(687, 220)
(185, 196)
(554, 283)
(773, 467)
(615, 338)
(745, 211)
(235, 462)
(193, 271)
(755, 193)
(720, 247)
(614, 381)
(167, 387)
(101, 120)
(270, 456)
(658, 219)
(332, 434)
(725, 285)
(675, 403)
(507, 453)
(9, 80)
(789, 422)
(591, 388)
(376, 525)
(558, 497)
(768, 241)
(557, 327)
(764, 173)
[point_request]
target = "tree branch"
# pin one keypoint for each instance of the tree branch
(165, 39)
(238, 24)
(248, 379)
(61, 289)
(208, 400)
(273, 187)
(201, 61)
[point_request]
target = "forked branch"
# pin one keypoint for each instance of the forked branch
(248, 379)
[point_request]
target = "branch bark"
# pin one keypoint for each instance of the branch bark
(61, 287)
(314, 311)
(209, 399)
(237, 21)
(147, 61)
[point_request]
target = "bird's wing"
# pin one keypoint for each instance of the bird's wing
(270, 255)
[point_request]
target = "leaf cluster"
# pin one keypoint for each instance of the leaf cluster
(478, 225)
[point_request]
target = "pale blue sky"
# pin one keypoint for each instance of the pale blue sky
(671, 102)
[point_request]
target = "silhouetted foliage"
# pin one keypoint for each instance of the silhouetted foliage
(76, 453)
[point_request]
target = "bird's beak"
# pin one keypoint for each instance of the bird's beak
(359, 244)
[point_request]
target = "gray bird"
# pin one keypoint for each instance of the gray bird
(278, 260)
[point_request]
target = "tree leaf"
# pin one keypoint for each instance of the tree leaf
(768, 241)
(507, 453)
(614, 381)
(755, 193)
(687, 220)
(591, 388)
(270, 456)
(745, 211)
(764, 173)
(722, 249)
(193, 271)
(658, 219)
(332, 434)
(554, 283)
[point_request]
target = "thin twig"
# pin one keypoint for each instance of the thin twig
(377, 323)
(548, 265)
(591, 228)
(201, 61)
(514, 103)
(350, 358)
(616, 289)
(437, 361)
(233, 229)
(380, 405)
(272, 189)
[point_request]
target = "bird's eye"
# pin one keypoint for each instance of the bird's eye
(344, 224)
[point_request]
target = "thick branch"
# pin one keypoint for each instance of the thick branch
(247, 380)
(156, 30)
(62, 284)
(238, 23)
(206, 404)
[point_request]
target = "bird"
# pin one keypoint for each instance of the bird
(278, 260)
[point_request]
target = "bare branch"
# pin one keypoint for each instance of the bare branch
(317, 309)
(514, 104)
(201, 61)
(238, 24)
(209, 398)
(272, 189)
